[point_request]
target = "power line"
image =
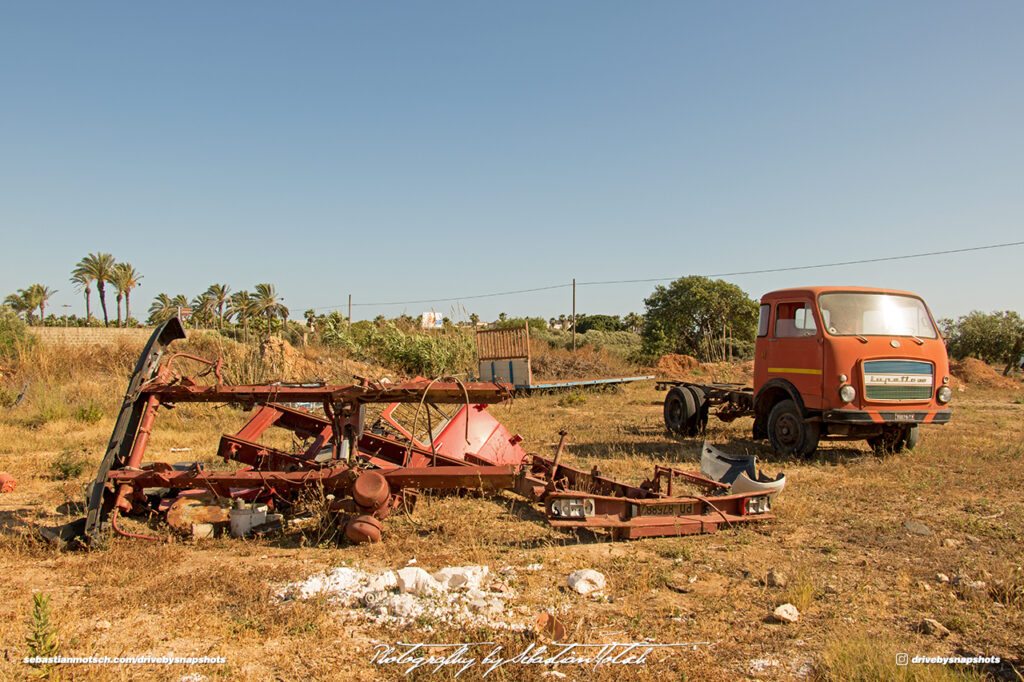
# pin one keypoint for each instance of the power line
(460, 298)
(667, 279)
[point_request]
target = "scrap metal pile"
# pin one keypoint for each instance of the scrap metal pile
(366, 471)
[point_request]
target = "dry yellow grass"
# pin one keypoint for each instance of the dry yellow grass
(861, 581)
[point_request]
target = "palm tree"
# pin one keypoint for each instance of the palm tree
(38, 295)
(265, 302)
(83, 282)
(202, 309)
(100, 267)
(162, 309)
(240, 306)
(219, 294)
(310, 315)
(125, 278)
(19, 303)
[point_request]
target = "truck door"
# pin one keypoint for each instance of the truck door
(795, 350)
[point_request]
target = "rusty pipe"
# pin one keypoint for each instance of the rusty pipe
(138, 449)
(558, 456)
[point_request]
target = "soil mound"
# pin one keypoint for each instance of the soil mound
(687, 368)
(675, 366)
(974, 372)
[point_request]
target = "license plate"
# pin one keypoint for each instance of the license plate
(904, 416)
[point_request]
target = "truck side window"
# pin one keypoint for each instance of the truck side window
(794, 319)
(762, 320)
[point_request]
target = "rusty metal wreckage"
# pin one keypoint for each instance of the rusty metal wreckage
(370, 471)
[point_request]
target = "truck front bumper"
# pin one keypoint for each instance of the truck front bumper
(908, 416)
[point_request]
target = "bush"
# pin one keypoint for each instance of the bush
(68, 465)
(13, 334)
(428, 353)
(89, 413)
(571, 400)
(996, 338)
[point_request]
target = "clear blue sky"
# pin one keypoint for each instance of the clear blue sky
(401, 151)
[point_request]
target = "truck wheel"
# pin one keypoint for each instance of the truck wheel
(913, 435)
(701, 407)
(891, 442)
(788, 433)
(679, 409)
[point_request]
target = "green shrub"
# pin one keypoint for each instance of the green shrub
(427, 353)
(13, 334)
(68, 465)
(89, 413)
(41, 639)
(572, 399)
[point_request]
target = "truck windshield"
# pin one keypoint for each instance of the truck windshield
(870, 314)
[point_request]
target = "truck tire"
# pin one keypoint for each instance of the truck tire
(679, 410)
(788, 433)
(701, 409)
(913, 435)
(895, 439)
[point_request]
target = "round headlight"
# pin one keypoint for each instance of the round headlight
(847, 393)
(944, 394)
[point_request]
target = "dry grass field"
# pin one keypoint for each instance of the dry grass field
(861, 580)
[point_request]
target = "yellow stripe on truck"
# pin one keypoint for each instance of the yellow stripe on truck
(793, 370)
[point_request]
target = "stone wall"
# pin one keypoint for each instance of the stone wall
(84, 336)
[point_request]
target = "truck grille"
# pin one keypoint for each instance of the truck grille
(898, 380)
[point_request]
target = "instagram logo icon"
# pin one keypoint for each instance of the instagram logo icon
(902, 659)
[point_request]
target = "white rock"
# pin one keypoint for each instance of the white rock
(462, 576)
(942, 577)
(586, 580)
(403, 606)
(339, 580)
(535, 567)
(384, 581)
(787, 613)
(415, 580)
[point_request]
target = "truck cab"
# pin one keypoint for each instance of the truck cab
(847, 363)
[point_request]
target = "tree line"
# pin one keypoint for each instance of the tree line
(709, 319)
(99, 269)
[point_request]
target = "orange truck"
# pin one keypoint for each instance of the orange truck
(842, 363)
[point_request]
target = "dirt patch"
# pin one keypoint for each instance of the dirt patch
(676, 366)
(688, 368)
(974, 372)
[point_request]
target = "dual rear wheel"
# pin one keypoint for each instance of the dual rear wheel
(686, 410)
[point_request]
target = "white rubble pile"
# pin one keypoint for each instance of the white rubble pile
(587, 580)
(456, 595)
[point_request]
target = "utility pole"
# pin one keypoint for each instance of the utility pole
(574, 314)
(350, 312)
